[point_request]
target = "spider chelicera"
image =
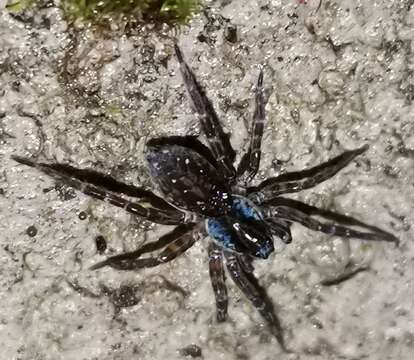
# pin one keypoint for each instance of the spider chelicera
(205, 195)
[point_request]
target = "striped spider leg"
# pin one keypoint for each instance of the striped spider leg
(103, 187)
(219, 141)
(174, 243)
(241, 271)
(288, 210)
(250, 162)
(218, 278)
(315, 219)
(296, 181)
(126, 259)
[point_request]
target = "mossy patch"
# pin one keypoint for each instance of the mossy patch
(107, 12)
(16, 6)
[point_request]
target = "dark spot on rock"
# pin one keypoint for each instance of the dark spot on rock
(280, 58)
(64, 192)
(82, 215)
(230, 33)
(31, 231)
(201, 37)
(1, 191)
(192, 350)
(45, 23)
(124, 296)
(116, 346)
(147, 53)
(100, 244)
(391, 171)
(15, 85)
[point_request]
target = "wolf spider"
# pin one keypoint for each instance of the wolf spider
(205, 195)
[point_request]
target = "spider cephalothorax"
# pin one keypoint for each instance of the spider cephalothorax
(207, 197)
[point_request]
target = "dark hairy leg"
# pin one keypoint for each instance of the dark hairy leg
(296, 211)
(246, 261)
(281, 229)
(219, 141)
(217, 277)
(103, 187)
(250, 287)
(163, 241)
(250, 161)
(182, 242)
(299, 180)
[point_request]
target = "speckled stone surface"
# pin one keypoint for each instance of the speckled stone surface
(338, 76)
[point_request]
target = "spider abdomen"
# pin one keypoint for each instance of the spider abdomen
(188, 179)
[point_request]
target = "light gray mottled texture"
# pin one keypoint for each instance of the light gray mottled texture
(337, 78)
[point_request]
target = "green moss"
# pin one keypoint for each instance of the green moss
(101, 12)
(19, 5)
(180, 10)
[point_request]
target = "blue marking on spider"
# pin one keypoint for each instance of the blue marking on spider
(245, 209)
(218, 230)
(242, 228)
(265, 250)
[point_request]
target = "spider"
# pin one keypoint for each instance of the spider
(205, 195)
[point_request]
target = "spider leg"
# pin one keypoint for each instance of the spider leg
(246, 262)
(296, 181)
(210, 124)
(175, 248)
(103, 187)
(163, 241)
(217, 277)
(296, 211)
(281, 229)
(250, 161)
(249, 285)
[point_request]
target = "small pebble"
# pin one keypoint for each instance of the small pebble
(82, 215)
